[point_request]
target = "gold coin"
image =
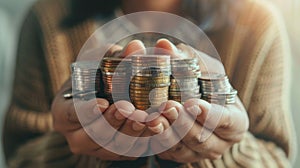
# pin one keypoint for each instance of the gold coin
(150, 85)
(151, 82)
(150, 99)
(151, 78)
(133, 96)
(142, 107)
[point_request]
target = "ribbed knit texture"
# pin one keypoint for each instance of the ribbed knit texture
(255, 54)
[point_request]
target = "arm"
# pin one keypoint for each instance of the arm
(28, 116)
(270, 139)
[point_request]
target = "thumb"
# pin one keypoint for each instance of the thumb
(164, 46)
(134, 47)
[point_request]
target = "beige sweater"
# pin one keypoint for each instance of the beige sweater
(255, 54)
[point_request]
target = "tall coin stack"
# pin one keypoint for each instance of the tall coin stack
(86, 78)
(116, 73)
(215, 88)
(184, 79)
(150, 80)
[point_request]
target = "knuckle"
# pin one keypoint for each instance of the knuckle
(178, 148)
(194, 141)
(203, 147)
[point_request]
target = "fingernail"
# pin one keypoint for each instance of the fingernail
(121, 114)
(157, 129)
(135, 46)
(174, 48)
(162, 106)
(137, 126)
(171, 113)
(194, 110)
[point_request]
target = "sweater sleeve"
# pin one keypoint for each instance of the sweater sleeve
(28, 115)
(270, 141)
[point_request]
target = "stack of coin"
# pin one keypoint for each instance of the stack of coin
(184, 79)
(116, 73)
(150, 80)
(215, 88)
(86, 76)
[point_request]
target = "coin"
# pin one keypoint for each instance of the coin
(86, 76)
(184, 79)
(150, 80)
(216, 88)
(116, 75)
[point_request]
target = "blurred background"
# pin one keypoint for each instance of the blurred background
(12, 13)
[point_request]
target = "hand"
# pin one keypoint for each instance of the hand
(215, 130)
(90, 118)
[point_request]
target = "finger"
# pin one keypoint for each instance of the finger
(169, 110)
(198, 109)
(105, 127)
(186, 127)
(118, 113)
(129, 133)
(228, 124)
(87, 111)
(164, 46)
(206, 143)
(66, 116)
(134, 47)
(114, 49)
(203, 141)
(92, 54)
(141, 145)
(188, 51)
(163, 135)
(156, 123)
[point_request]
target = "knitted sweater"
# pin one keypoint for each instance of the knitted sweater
(255, 54)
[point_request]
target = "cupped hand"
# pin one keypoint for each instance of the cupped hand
(92, 127)
(204, 130)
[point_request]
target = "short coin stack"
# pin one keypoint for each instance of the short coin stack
(215, 88)
(86, 78)
(150, 80)
(184, 79)
(116, 74)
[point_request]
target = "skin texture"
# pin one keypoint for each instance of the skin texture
(200, 142)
